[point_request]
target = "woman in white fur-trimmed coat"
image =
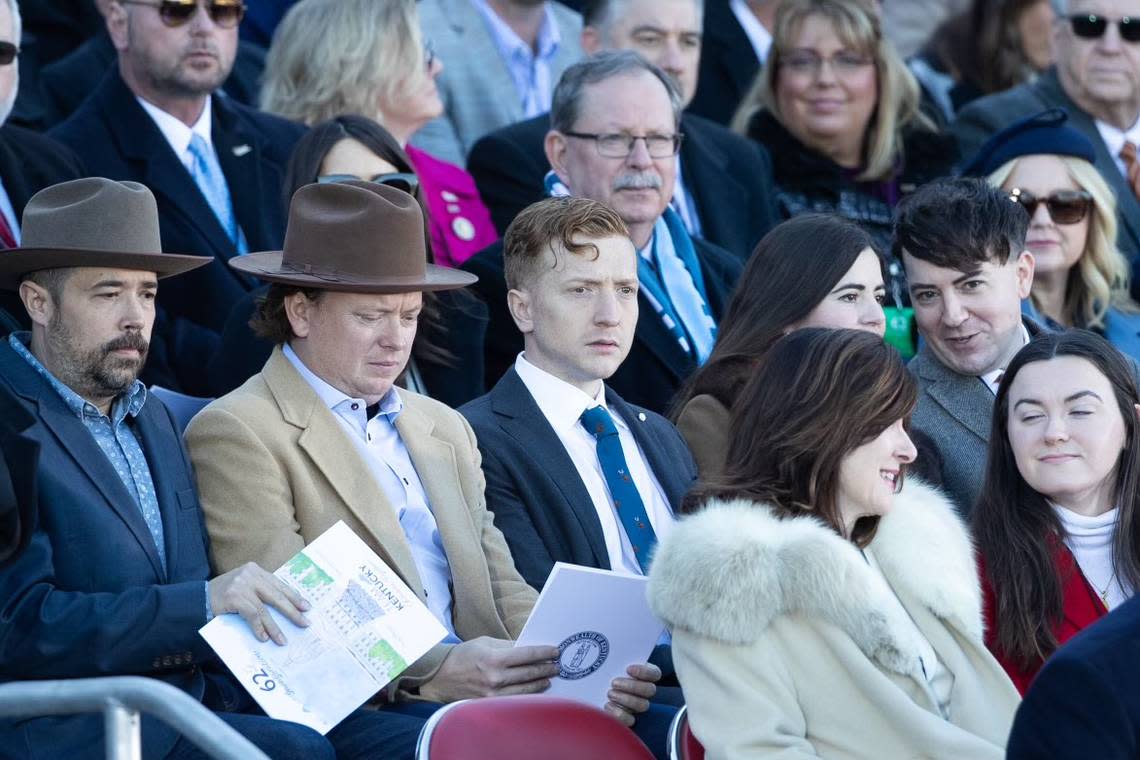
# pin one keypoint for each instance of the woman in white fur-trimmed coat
(815, 612)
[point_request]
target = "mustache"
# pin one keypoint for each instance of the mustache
(637, 181)
(131, 340)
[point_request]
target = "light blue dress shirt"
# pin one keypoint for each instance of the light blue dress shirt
(530, 70)
(379, 442)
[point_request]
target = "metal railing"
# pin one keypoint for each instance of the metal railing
(121, 699)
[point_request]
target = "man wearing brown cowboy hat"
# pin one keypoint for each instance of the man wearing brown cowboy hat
(114, 580)
(322, 435)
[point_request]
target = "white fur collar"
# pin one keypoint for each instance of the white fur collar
(730, 570)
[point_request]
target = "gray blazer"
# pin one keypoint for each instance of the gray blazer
(985, 116)
(476, 87)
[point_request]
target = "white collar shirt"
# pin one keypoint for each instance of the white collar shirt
(177, 134)
(757, 34)
(1114, 140)
(991, 378)
(684, 203)
(529, 68)
(562, 405)
(379, 442)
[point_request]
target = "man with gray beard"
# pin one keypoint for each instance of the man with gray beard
(614, 138)
(216, 167)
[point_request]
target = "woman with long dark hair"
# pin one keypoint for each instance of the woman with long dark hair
(1057, 525)
(819, 607)
(815, 270)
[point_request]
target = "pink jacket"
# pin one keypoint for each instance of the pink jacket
(460, 224)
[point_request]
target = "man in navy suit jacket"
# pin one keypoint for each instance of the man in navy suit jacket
(572, 273)
(141, 124)
(1084, 703)
(115, 577)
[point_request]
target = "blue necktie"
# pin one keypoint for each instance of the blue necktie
(627, 501)
(207, 173)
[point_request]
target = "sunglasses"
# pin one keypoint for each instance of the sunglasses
(225, 13)
(1064, 206)
(8, 53)
(1091, 26)
(405, 181)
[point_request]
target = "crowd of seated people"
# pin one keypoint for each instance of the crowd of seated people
(827, 332)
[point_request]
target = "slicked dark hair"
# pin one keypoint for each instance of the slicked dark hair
(959, 224)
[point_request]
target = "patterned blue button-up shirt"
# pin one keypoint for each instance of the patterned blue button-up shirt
(117, 440)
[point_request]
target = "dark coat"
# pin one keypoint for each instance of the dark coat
(89, 596)
(729, 180)
(1084, 703)
(66, 83)
(656, 366)
(117, 139)
(982, 118)
(808, 181)
(19, 456)
(459, 329)
(540, 503)
(29, 162)
(728, 64)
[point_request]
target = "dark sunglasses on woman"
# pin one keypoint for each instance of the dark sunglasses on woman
(8, 53)
(1090, 26)
(400, 180)
(225, 13)
(1064, 206)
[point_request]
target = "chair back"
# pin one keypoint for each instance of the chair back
(526, 727)
(682, 744)
(183, 407)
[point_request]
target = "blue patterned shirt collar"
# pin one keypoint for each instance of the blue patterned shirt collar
(129, 403)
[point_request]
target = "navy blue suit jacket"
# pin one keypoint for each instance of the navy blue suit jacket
(89, 596)
(117, 139)
(1084, 703)
(539, 501)
(656, 366)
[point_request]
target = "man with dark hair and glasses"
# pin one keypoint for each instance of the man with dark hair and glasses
(1096, 79)
(614, 138)
(216, 167)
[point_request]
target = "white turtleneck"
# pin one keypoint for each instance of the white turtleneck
(1090, 541)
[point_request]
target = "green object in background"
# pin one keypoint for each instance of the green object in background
(901, 330)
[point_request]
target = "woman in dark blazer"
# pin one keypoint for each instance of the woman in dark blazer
(447, 356)
(815, 270)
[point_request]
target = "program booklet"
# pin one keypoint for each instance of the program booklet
(601, 623)
(365, 628)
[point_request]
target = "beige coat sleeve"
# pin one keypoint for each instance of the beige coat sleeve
(704, 423)
(742, 699)
(245, 493)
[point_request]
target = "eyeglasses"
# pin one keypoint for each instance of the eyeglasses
(1091, 26)
(1064, 206)
(808, 63)
(174, 13)
(8, 53)
(619, 145)
(429, 55)
(405, 181)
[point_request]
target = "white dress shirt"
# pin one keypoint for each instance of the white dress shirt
(1114, 140)
(760, 37)
(388, 460)
(9, 212)
(178, 135)
(1090, 541)
(562, 404)
(684, 203)
(991, 378)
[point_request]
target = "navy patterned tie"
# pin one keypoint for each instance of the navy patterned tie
(627, 501)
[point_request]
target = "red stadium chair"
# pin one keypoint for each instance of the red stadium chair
(525, 728)
(682, 744)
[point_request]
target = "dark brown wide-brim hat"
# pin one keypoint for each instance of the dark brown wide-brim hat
(92, 222)
(359, 237)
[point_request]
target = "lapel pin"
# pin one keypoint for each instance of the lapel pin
(641, 416)
(241, 150)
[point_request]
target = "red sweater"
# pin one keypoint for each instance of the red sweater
(1082, 608)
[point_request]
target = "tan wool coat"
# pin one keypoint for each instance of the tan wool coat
(787, 645)
(275, 470)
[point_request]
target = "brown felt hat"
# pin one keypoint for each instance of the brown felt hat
(360, 237)
(91, 222)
